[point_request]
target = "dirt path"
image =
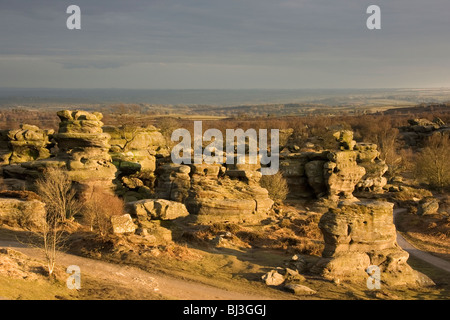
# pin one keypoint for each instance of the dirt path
(422, 255)
(167, 287)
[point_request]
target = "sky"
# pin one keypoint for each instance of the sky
(224, 44)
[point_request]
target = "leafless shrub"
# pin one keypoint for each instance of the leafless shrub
(432, 162)
(56, 191)
(98, 209)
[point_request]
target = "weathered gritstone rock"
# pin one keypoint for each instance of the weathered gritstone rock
(360, 234)
(334, 174)
(154, 217)
(123, 224)
(157, 209)
(368, 157)
(28, 143)
(233, 195)
(428, 206)
(342, 173)
(5, 150)
(82, 150)
(22, 212)
(292, 166)
(419, 129)
(172, 182)
(133, 148)
(84, 147)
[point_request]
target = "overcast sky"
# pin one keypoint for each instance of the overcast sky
(224, 44)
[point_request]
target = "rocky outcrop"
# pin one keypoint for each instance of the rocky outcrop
(133, 148)
(334, 174)
(292, 166)
(342, 173)
(26, 144)
(29, 143)
(361, 234)
(367, 156)
(5, 149)
(419, 129)
(25, 213)
(173, 182)
(428, 206)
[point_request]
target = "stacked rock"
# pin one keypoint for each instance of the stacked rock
(28, 143)
(84, 147)
(173, 182)
(368, 157)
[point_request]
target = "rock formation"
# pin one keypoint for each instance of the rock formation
(82, 150)
(133, 148)
(368, 158)
(26, 144)
(227, 194)
(173, 181)
(29, 143)
(361, 234)
(420, 129)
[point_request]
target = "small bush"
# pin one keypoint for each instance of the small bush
(276, 185)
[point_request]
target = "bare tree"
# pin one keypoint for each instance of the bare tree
(56, 191)
(432, 162)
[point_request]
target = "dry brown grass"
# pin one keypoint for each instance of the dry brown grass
(428, 233)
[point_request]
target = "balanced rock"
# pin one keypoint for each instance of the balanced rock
(359, 234)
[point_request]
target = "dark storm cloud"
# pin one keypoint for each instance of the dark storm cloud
(303, 40)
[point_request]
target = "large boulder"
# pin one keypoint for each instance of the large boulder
(157, 209)
(123, 224)
(428, 206)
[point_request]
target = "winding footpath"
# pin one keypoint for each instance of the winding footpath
(419, 254)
